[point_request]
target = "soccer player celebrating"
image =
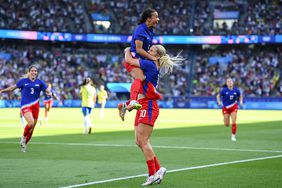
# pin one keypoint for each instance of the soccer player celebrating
(148, 113)
(48, 100)
(142, 39)
(30, 90)
(230, 96)
(102, 99)
(88, 95)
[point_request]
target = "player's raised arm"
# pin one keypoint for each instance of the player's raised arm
(129, 59)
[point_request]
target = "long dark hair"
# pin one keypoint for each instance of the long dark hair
(86, 81)
(146, 14)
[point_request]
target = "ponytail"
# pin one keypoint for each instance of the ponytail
(146, 14)
(166, 62)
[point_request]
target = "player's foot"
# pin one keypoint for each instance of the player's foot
(122, 110)
(161, 173)
(233, 137)
(23, 144)
(150, 180)
(89, 130)
(133, 105)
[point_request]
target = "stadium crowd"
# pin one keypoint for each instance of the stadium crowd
(176, 17)
(257, 72)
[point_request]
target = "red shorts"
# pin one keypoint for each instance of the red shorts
(49, 102)
(34, 109)
(234, 108)
(149, 112)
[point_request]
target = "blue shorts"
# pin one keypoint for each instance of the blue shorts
(86, 111)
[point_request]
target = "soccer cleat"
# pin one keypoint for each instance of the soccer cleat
(161, 173)
(151, 179)
(122, 110)
(133, 105)
(23, 144)
(233, 137)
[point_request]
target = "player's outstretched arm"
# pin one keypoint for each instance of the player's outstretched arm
(218, 100)
(8, 89)
(241, 100)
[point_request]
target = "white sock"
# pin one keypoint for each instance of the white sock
(23, 121)
(88, 120)
(85, 123)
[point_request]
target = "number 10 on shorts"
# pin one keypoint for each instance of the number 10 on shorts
(142, 113)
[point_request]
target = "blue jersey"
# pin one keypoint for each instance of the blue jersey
(49, 97)
(30, 90)
(151, 81)
(229, 97)
(144, 34)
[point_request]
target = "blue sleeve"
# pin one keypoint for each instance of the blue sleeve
(43, 86)
(145, 64)
(139, 34)
(20, 83)
(239, 92)
(221, 92)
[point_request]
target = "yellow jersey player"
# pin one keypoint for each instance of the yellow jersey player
(102, 99)
(88, 95)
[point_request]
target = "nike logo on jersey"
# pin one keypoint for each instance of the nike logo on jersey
(25, 84)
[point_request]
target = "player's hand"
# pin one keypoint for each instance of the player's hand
(219, 104)
(241, 104)
(127, 49)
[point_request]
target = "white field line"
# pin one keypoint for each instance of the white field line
(175, 170)
(164, 147)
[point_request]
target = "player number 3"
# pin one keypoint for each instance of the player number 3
(142, 113)
(31, 90)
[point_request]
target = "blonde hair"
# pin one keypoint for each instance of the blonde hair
(166, 62)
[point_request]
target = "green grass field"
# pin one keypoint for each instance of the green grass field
(193, 145)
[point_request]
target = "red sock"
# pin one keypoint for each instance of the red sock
(135, 87)
(127, 103)
(28, 137)
(151, 167)
(157, 164)
(26, 130)
(234, 128)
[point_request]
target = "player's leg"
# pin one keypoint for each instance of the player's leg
(234, 125)
(35, 114)
(84, 112)
(89, 123)
(102, 110)
(138, 76)
(226, 120)
(28, 128)
(143, 133)
(47, 108)
(22, 120)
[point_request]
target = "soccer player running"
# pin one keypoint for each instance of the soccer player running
(88, 95)
(148, 113)
(142, 39)
(102, 99)
(30, 90)
(230, 96)
(48, 100)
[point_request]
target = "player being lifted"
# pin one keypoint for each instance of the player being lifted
(142, 39)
